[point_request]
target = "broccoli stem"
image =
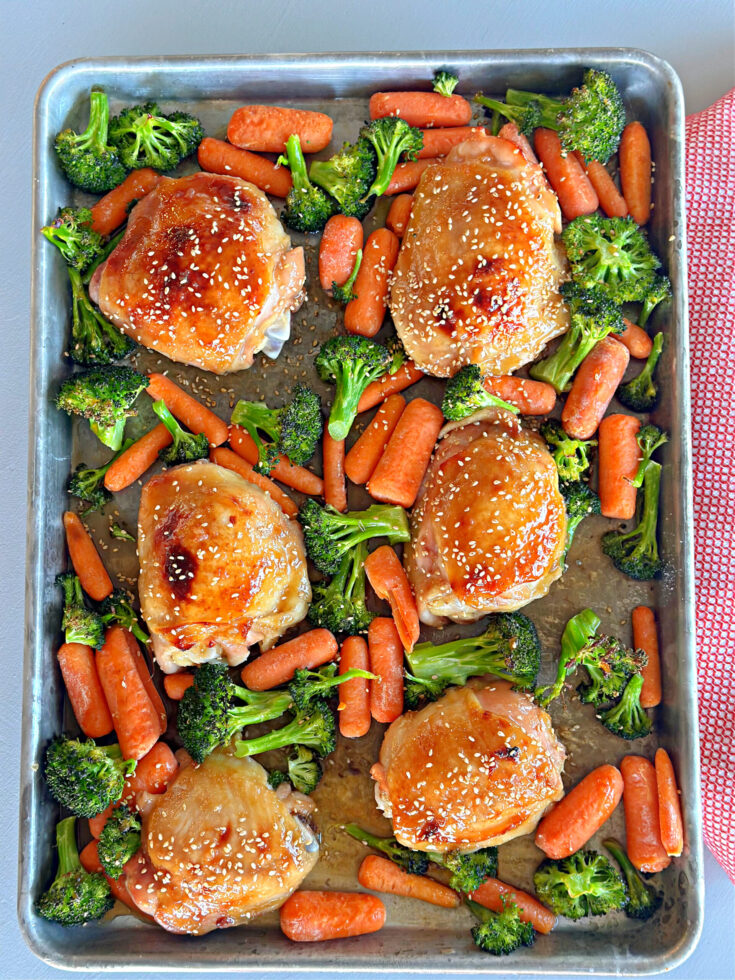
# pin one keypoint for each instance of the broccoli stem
(577, 634)
(351, 382)
(95, 135)
(296, 163)
(106, 252)
(66, 844)
(345, 292)
(280, 738)
(549, 108)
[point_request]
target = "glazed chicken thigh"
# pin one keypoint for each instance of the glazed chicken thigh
(478, 272)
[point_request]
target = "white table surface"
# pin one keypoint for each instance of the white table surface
(697, 37)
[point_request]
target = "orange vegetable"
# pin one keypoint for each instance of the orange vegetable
(438, 142)
(529, 397)
(187, 409)
(512, 134)
(341, 240)
(354, 695)
(277, 666)
(385, 574)
(407, 175)
(635, 171)
(84, 689)
(268, 127)
(576, 194)
(386, 661)
(640, 802)
(98, 822)
(636, 339)
(398, 475)
(424, 110)
(132, 464)
(312, 917)
(619, 455)
(400, 213)
(364, 315)
(176, 685)
(493, 893)
(231, 461)
(571, 822)
(382, 875)
(297, 477)
(335, 490)
(90, 858)
(85, 559)
(145, 676)
(111, 211)
(218, 157)
(669, 805)
(156, 769)
(377, 391)
(645, 637)
(612, 201)
(593, 387)
(362, 459)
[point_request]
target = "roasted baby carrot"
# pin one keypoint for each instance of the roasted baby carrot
(97, 823)
(297, 477)
(188, 410)
(268, 127)
(364, 315)
(136, 721)
(398, 475)
(354, 695)
(577, 816)
(493, 894)
(231, 461)
(84, 689)
(611, 200)
(333, 452)
(382, 875)
(529, 397)
(132, 464)
(362, 459)
(593, 387)
(513, 134)
(312, 917)
(157, 768)
(619, 455)
(89, 857)
(645, 637)
(669, 805)
(277, 666)
(386, 661)
(389, 581)
(576, 194)
(407, 175)
(425, 110)
(218, 157)
(438, 142)
(85, 559)
(640, 802)
(176, 685)
(636, 339)
(342, 239)
(377, 391)
(147, 679)
(635, 171)
(111, 211)
(399, 214)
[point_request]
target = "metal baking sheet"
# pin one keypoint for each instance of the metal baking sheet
(417, 937)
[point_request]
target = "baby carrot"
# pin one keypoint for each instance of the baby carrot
(399, 214)
(145, 676)
(84, 689)
(85, 559)
(669, 805)
(354, 695)
(398, 475)
(231, 461)
(382, 875)
(635, 171)
(218, 157)
(645, 637)
(571, 822)
(97, 823)
(438, 142)
(312, 917)
(187, 409)
(422, 109)
(513, 134)
(111, 211)
(619, 455)
(157, 768)
(640, 802)
(612, 201)
(277, 666)
(385, 574)
(268, 127)
(386, 660)
(176, 685)
(333, 451)
(364, 315)
(407, 175)
(135, 718)
(89, 858)
(636, 339)
(593, 387)
(342, 239)
(529, 397)
(377, 391)
(137, 458)
(362, 459)
(493, 894)
(576, 194)
(297, 477)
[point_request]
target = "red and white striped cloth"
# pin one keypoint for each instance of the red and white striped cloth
(710, 202)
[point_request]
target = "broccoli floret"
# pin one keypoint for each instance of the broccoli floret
(572, 456)
(307, 207)
(80, 625)
(641, 393)
(580, 501)
(509, 648)
(465, 394)
(659, 292)
(105, 396)
(346, 293)
(294, 430)
(87, 159)
(117, 609)
(414, 862)
(468, 871)
(146, 137)
(395, 347)
(527, 117)
(611, 255)
(116, 531)
(84, 777)
(276, 777)
(109, 247)
(186, 446)
(310, 686)
(627, 719)
(72, 233)
(583, 884)
(500, 933)
(329, 535)
(119, 840)
(445, 82)
(339, 605)
(649, 438)
(316, 730)
(94, 340)
(610, 665)
(635, 552)
(391, 138)
(417, 690)
(351, 363)
(304, 769)
(87, 483)
(347, 177)
(75, 896)
(643, 899)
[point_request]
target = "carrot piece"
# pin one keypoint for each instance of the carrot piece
(399, 214)
(401, 469)
(187, 409)
(619, 455)
(425, 110)
(84, 689)
(132, 464)
(354, 695)
(364, 315)
(576, 194)
(389, 384)
(593, 387)
(85, 559)
(645, 638)
(493, 894)
(407, 175)
(268, 127)
(231, 461)
(297, 477)
(382, 875)
(636, 339)
(277, 666)
(640, 802)
(635, 171)
(438, 142)
(147, 679)
(342, 239)
(529, 397)
(218, 157)
(385, 574)
(120, 892)
(669, 805)
(157, 768)
(312, 917)
(386, 661)
(111, 211)
(136, 720)
(176, 685)
(611, 200)
(512, 134)
(90, 858)
(335, 490)
(362, 459)
(97, 822)
(571, 822)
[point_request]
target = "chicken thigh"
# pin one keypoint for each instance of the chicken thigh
(489, 528)
(221, 566)
(204, 274)
(478, 272)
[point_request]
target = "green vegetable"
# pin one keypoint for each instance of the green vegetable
(116, 531)
(94, 340)
(88, 159)
(635, 552)
(304, 769)
(350, 363)
(649, 438)
(610, 665)
(580, 501)
(627, 719)
(105, 396)
(294, 430)
(315, 729)
(659, 292)
(339, 605)
(391, 137)
(84, 777)
(329, 535)
(75, 896)
(345, 293)
(500, 933)
(146, 137)
(119, 840)
(310, 686)
(307, 207)
(640, 394)
(581, 885)
(80, 624)
(611, 255)
(117, 609)
(465, 394)
(89, 484)
(643, 899)
(414, 862)
(72, 233)
(572, 456)
(347, 177)
(445, 82)
(186, 446)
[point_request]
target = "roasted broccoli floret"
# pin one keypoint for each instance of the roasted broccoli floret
(72, 233)
(445, 82)
(119, 840)
(468, 871)
(294, 430)
(307, 207)
(310, 686)
(94, 340)
(339, 605)
(88, 484)
(116, 531)
(610, 665)
(350, 363)
(465, 393)
(117, 609)
(186, 446)
(84, 777)
(346, 293)
(418, 690)
(414, 862)
(329, 535)
(105, 396)
(500, 933)
(80, 624)
(276, 777)
(640, 394)
(88, 159)
(649, 438)
(659, 292)
(315, 729)
(643, 899)
(527, 117)
(611, 255)
(347, 177)
(304, 769)
(583, 884)
(75, 896)
(146, 137)
(572, 456)
(391, 137)
(627, 719)
(635, 552)
(580, 501)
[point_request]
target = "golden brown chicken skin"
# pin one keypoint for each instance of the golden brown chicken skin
(221, 566)
(477, 276)
(204, 274)
(475, 768)
(488, 531)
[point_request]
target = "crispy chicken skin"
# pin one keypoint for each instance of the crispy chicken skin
(220, 847)
(478, 272)
(221, 566)
(475, 768)
(205, 273)
(489, 527)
